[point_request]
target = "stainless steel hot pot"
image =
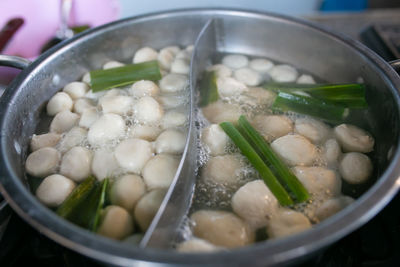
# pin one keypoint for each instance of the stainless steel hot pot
(321, 52)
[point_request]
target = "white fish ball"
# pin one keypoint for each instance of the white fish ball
(261, 65)
(44, 140)
(148, 110)
(82, 104)
(332, 206)
(272, 127)
(221, 228)
(316, 131)
(159, 171)
(254, 203)
(116, 104)
(170, 141)
(172, 101)
(166, 56)
(59, 102)
(220, 70)
(144, 88)
(107, 128)
(116, 223)
(228, 87)
(95, 95)
(132, 154)
(104, 164)
(75, 137)
(235, 61)
(76, 164)
(218, 112)
(258, 96)
(180, 66)
(64, 121)
(88, 117)
(112, 64)
(319, 181)
(283, 73)
(54, 189)
(248, 76)
(353, 138)
(173, 82)
(127, 190)
(196, 245)
(215, 139)
(224, 169)
(295, 150)
(42, 162)
(86, 78)
(287, 222)
(173, 119)
(332, 152)
(305, 79)
(147, 208)
(76, 89)
(184, 54)
(355, 167)
(145, 54)
(146, 132)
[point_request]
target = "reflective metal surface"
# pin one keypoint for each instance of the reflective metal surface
(330, 56)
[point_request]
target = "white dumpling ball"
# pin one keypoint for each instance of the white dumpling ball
(295, 150)
(112, 64)
(54, 189)
(173, 119)
(76, 163)
(82, 104)
(258, 96)
(228, 87)
(148, 110)
(287, 222)
(248, 76)
(353, 138)
(145, 54)
(215, 139)
(221, 228)
(104, 164)
(224, 169)
(172, 101)
(132, 154)
(116, 223)
(196, 245)
(59, 102)
(316, 131)
(127, 190)
(254, 203)
(88, 117)
(220, 70)
(332, 206)
(147, 208)
(319, 181)
(144, 88)
(180, 66)
(332, 152)
(75, 137)
(64, 121)
(218, 112)
(170, 141)
(44, 140)
(283, 73)
(305, 79)
(166, 56)
(42, 162)
(355, 167)
(261, 65)
(76, 89)
(107, 128)
(235, 61)
(86, 78)
(146, 132)
(118, 104)
(173, 83)
(272, 127)
(160, 170)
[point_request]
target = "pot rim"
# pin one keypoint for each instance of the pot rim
(272, 252)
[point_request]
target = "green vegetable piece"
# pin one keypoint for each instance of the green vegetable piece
(208, 89)
(78, 195)
(128, 74)
(100, 204)
(309, 106)
(269, 178)
(266, 152)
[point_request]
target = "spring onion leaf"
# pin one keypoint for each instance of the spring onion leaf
(78, 195)
(310, 106)
(266, 152)
(208, 89)
(269, 178)
(128, 74)
(100, 204)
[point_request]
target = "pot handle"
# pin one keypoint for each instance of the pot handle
(395, 65)
(14, 61)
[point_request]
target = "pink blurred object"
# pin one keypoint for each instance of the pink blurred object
(42, 18)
